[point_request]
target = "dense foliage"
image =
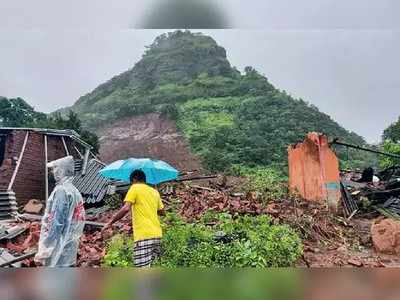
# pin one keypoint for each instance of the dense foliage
(17, 113)
(229, 117)
(267, 182)
(389, 147)
(390, 144)
(233, 241)
(392, 132)
(119, 251)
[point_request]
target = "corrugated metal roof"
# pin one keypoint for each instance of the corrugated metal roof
(8, 205)
(63, 132)
(58, 132)
(92, 185)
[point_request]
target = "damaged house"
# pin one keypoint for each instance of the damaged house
(24, 153)
(314, 174)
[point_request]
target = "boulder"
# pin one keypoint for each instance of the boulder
(386, 236)
(33, 207)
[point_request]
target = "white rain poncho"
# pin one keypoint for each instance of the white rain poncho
(63, 220)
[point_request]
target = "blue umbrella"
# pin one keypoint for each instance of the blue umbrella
(156, 171)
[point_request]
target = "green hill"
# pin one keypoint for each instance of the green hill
(228, 117)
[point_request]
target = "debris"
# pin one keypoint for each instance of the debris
(95, 211)
(201, 188)
(11, 232)
(33, 206)
(30, 217)
(386, 236)
(349, 205)
(92, 185)
(7, 259)
(196, 178)
(272, 209)
(8, 205)
(355, 261)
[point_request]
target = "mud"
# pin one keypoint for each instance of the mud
(149, 135)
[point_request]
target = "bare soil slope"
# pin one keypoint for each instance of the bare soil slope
(149, 135)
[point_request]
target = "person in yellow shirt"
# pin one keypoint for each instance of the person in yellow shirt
(145, 204)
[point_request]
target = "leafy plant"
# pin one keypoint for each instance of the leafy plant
(119, 252)
(236, 241)
(390, 147)
(113, 201)
(267, 182)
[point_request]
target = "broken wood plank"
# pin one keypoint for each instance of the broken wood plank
(202, 188)
(31, 217)
(196, 178)
(18, 259)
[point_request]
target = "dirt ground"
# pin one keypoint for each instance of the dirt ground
(332, 241)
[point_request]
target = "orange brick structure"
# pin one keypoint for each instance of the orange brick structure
(314, 170)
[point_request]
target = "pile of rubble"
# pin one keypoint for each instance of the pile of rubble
(329, 240)
(370, 194)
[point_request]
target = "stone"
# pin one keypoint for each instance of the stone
(355, 261)
(272, 209)
(33, 206)
(386, 236)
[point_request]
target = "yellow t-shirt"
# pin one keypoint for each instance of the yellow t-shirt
(146, 201)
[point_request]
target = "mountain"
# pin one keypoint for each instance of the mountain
(226, 117)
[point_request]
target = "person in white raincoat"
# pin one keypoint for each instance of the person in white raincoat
(63, 220)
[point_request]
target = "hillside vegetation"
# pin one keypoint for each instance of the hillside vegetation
(228, 117)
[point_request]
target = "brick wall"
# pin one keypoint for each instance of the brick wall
(15, 140)
(30, 180)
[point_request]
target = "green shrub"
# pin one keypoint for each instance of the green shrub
(235, 241)
(390, 147)
(268, 182)
(113, 201)
(119, 252)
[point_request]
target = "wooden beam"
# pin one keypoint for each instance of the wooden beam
(65, 145)
(196, 178)
(18, 259)
(85, 161)
(21, 155)
(79, 152)
(46, 171)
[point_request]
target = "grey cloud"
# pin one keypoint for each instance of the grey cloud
(261, 14)
(350, 74)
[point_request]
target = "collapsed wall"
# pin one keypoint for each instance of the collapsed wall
(314, 170)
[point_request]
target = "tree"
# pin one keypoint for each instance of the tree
(391, 144)
(17, 113)
(73, 122)
(390, 147)
(392, 132)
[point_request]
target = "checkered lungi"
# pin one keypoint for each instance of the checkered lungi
(146, 251)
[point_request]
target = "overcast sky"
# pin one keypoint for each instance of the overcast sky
(342, 56)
